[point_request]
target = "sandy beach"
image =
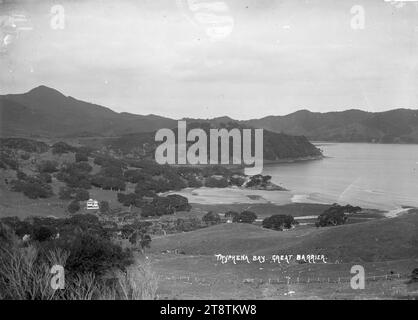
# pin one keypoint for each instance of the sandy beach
(234, 195)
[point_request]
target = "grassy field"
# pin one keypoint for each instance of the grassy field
(383, 247)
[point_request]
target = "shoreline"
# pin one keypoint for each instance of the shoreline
(293, 160)
(241, 197)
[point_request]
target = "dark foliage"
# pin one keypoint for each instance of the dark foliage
(335, 215)
(27, 145)
(279, 222)
(32, 187)
(215, 182)
(211, 218)
(74, 206)
(48, 166)
(62, 147)
(246, 217)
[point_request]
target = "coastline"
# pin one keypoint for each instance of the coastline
(292, 160)
(235, 197)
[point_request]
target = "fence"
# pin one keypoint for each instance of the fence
(285, 280)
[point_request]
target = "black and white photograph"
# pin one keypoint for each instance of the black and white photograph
(208, 150)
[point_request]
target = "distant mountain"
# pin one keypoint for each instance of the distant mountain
(276, 146)
(47, 112)
(395, 126)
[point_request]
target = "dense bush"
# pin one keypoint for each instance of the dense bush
(279, 222)
(76, 175)
(258, 180)
(62, 147)
(104, 207)
(246, 217)
(178, 202)
(43, 233)
(108, 183)
(233, 215)
(45, 177)
(32, 187)
(27, 145)
(335, 215)
(130, 199)
(92, 254)
(79, 156)
(8, 160)
(82, 195)
(214, 182)
(79, 194)
(211, 218)
(25, 156)
(74, 206)
(48, 166)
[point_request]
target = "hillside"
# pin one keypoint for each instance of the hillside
(395, 126)
(377, 240)
(47, 112)
(276, 147)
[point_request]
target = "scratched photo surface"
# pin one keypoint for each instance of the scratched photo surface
(208, 149)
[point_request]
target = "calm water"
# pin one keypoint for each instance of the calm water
(368, 175)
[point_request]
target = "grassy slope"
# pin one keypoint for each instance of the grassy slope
(377, 240)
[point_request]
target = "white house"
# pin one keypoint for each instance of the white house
(92, 204)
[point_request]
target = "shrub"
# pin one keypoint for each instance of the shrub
(81, 157)
(32, 188)
(21, 175)
(211, 218)
(43, 233)
(247, 217)
(179, 203)
(45, 177)
(82, 195)
(62, 147)
(65, 193)
(232, 214)
(73, 207)
(335, 215)
(48, 166)
(92, 254)
(213, 182)
(104, 207)
(25, 156)
(279, 221)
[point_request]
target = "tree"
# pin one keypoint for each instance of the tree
(279, 221)
(82, 195)
(65, 193)
(48, 166)
(213, 182)
(335, 215)
(74, 206)
(79, 156)
(45, 177)
(42, 233)
(104, 207)
(62, 147)
(211, 218)
(247, 217)
(179, 203)
(232, 215)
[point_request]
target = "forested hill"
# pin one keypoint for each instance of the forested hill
(394, 126)
(276, 146)
(45, 112)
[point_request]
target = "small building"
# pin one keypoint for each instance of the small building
(92, 204)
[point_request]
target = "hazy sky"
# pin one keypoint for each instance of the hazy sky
(190, 58)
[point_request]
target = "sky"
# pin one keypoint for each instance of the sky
(208, 58)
